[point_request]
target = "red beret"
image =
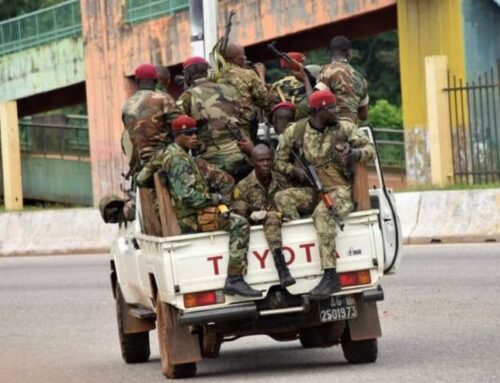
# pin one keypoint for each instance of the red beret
(194, 60)
(283, 105)
(297, 56)
(183, 122)
(321, 98)
(145, 71)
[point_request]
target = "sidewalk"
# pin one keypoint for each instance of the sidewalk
(426, 217)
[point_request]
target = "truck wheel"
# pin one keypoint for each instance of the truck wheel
(210, 345)
(359, 351)
(134, 347)
(171, 371)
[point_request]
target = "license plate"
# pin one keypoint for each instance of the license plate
(338, 308)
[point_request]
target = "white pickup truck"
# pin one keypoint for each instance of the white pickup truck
(177, 281)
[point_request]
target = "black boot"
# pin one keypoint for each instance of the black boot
(237, 285)
(286, 278)
(328, 285)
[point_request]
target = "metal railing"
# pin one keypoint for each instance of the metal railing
(54, 141)
(143, 10)
(475, 128)
(40, 27)
(391, 147)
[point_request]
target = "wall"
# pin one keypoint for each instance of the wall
(41, 69)
(113, 49)
(425, 27)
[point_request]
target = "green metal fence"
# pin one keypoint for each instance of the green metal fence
(142, 10)
(39, 27)
(391, 147)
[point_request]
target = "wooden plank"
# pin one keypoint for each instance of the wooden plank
(152, 225)
(360, 194)
(169, 224)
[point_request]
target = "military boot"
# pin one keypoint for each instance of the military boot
(237, 285)
(286, 278)
(328, 285)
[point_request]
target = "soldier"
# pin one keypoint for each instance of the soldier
(282, 115)
(163, 75)
(332, 147)
(254, 196)
(345, 82)
(250, 84)
(215, 107)
(197, 195)
(146, 115)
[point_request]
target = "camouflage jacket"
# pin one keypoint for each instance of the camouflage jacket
(291, 89)
(146, 116)
(324, 150)
(252, 93)
(191, 185)
(255, 196)
(349, 86)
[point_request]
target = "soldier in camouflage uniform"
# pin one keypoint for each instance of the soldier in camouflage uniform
(216, 107)
(254, 197)
(332, 147)
(193, 189)
(146, 116)
(251, 86)
(345, 82)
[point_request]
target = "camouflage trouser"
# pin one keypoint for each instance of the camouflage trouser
(272, 230)
(239, 237)
(289, 202)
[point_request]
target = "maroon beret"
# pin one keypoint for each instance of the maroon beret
(297, 56)
(145, 71)
(321, 98)
(194, 60)
(183, 122)
(283, 105)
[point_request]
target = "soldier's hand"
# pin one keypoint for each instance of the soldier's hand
(246, 146)
(299, 174)
(300, 74)
(260, 69)
(353, 155)
(258, 215)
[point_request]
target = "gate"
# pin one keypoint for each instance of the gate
(475, 128)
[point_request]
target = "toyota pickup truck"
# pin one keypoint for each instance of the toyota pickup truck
(175, 283)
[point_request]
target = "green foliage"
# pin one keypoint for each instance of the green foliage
(13, 8)
(385, 115)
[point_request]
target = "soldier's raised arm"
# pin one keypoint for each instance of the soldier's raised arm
(358, 141)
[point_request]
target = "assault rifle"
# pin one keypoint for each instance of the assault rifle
(315, 182)
(227, 31)
(293, 64)
(235, 133)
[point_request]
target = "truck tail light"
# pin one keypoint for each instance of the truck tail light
(355, 278)
(203, 298)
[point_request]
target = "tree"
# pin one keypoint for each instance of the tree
(10, 9)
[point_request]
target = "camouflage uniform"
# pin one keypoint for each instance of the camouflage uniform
(250, 195)
(251, 94)
(146, 116)
(192, 187)
(293, 90)
(321, 149)
(349, 86)
(216, 103)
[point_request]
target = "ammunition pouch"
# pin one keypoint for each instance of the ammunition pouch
(331, 176)
(212, 218)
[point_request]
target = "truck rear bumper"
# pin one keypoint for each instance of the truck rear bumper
(245, 311)
(373, 295)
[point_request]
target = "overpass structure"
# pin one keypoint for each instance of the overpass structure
(90, 49)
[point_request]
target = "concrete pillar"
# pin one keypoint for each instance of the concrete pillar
(11, 156)
(438, 120)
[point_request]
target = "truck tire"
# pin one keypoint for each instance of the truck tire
(171, 371)
(359, 351)
(325, 335)
(134, 347)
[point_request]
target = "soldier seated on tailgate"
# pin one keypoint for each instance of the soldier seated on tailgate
(253, 197)
(200, 198)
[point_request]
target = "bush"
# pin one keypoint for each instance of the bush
(385, 115)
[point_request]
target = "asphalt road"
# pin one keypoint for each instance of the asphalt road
(440, 323)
